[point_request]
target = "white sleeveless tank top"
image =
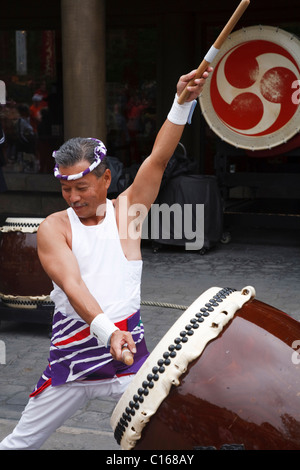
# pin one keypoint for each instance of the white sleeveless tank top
(110, 277)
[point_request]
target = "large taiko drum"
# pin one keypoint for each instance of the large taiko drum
(227, 373)
(23, 282)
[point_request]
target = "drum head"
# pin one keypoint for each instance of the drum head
(251, 100)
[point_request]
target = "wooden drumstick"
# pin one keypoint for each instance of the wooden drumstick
(216, 46)
(127, 356)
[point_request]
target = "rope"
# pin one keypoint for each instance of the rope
(46, 299)
(163, 304)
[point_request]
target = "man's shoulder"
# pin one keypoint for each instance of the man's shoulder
(54, 233)
(54, 221)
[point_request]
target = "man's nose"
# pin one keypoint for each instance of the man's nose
(74, 197)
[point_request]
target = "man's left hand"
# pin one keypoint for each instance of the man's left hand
(196, 89)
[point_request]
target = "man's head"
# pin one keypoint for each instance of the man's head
(77, 150)
(82, 170)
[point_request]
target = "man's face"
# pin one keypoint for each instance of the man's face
(86, 194)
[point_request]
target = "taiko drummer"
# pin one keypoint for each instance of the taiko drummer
(96, 274)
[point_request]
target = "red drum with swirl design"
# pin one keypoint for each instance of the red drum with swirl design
(252, 99)
(242, 389)
(23, 282)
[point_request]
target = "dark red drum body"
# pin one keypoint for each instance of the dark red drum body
(23, 282)
(244, 389)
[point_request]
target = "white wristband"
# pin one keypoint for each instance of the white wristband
(180, 113)
(102, 328)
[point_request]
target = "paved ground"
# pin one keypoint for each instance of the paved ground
(268, 260)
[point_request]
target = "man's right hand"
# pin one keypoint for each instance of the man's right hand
(117, 341)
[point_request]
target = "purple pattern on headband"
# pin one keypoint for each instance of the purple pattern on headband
(99, 154)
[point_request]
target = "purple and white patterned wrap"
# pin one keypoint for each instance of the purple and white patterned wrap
(76, 355)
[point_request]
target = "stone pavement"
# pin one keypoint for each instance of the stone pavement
(265, 259)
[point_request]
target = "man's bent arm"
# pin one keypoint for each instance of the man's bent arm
(61, 266)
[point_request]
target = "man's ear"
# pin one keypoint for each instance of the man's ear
(107, 177)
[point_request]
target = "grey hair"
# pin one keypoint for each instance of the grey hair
(77, 150)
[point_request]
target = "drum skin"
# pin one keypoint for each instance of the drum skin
(21, 273)
(243, 390)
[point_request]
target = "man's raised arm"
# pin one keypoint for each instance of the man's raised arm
(147, 182)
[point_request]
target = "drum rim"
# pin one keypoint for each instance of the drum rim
(25, 301)
(213, 121)
(21, 224)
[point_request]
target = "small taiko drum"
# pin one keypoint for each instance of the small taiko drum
(226, 375)
(23, 282)
(252, 99)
